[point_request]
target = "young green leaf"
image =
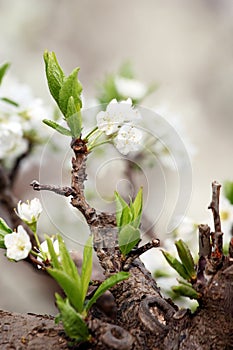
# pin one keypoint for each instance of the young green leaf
(128, 237)
(69, 285)
(120, 205)
(126, 217)
(73, 323)
(107, 284)
(74, 118)
(176, 264)
(186, 258)
(136, 208)
(54, 73)
(86, 267)
(186, 291)
(67, 263)
(57, 127)
(71, 86)
(3, 70)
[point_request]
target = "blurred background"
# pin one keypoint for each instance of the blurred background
(185, 47)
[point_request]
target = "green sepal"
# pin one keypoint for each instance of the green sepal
(57, 127)
(71, 86)
(176, 264)
(128, 237)
(186, 259)
(4, 230)
(107, 284)
(3, 70)
(73, 323)
(86, 267)
(54, 73)
(186, 291)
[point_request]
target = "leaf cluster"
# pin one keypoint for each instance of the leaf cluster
(128, 218)
(66, 91)
(185, 268)
(75, 307)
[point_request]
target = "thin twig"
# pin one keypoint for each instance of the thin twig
(63, 191)
(134, 254)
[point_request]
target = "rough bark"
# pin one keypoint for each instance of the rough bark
(135, 315)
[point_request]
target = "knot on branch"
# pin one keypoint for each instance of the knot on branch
(116, 337)
(155, 313)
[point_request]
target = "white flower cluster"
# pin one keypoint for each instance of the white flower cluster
(20, 118)
(118, 120)
(18, 244)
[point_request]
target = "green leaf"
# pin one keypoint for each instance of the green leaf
(73, 323)
(74, 118)
(186, 291)
(126, 217)
(70, 87)
(54, 73)
(57, 127)
(67, 263)
(54, 259)
(228, 190)
(107, 284)
(186, 258)
(69, 285)
(3, 70)
(120, 205)
(4, 230)
(128, 237)
(176, 264)
(136, 208)
(86, 267)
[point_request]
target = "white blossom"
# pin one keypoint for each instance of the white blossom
(115, 115)
(21, 116)
(130, 88)
(30, 211)
(128, 139)
(18, 244)
(12, 143)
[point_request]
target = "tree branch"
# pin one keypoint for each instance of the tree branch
(217, 242)
(63, 191)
